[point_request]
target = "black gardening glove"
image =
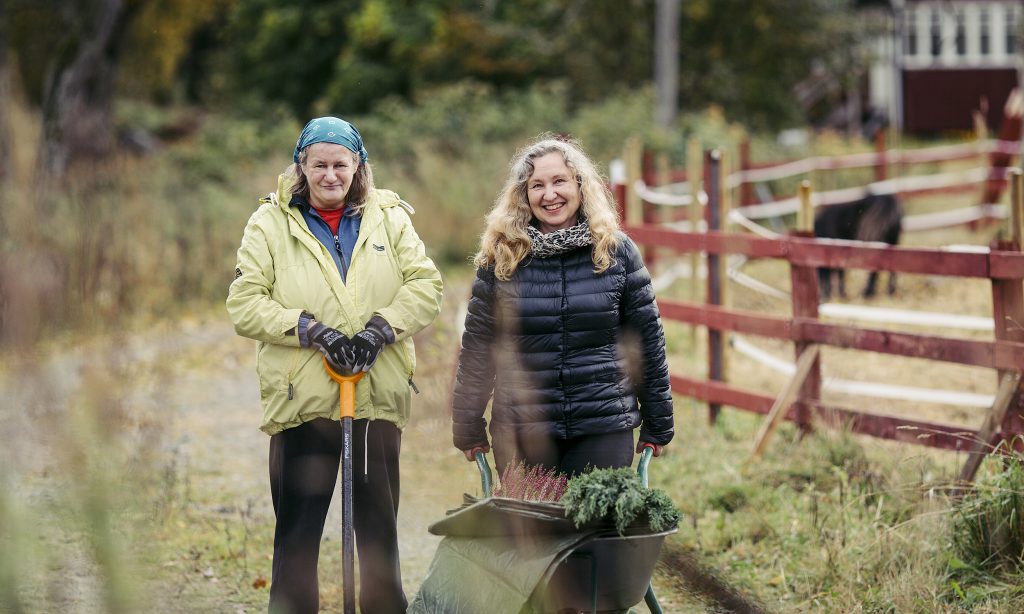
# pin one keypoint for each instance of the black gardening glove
(333, 344)
(368, 343)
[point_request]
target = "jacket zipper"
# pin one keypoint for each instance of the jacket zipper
(341, 257)
(565, 344)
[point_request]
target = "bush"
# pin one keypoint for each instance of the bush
(617, 495)
(988, 526)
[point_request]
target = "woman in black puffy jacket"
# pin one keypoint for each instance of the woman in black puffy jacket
(562, 327)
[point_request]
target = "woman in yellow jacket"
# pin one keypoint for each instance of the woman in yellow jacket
(330, 263)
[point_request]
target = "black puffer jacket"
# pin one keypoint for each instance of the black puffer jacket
(552, 344)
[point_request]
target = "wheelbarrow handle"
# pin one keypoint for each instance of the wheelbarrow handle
(485, 471)
(645, 460)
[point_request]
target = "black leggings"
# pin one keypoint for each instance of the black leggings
(304, 463)
(569, 456)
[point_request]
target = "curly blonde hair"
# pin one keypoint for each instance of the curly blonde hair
(505, 242)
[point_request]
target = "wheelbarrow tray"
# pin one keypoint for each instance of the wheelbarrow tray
(533, 559)
(608, 572)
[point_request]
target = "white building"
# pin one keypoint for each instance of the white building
(946, 59)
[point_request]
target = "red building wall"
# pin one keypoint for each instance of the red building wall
(938, 100)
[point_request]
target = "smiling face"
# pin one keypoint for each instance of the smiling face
(553, 193)
(329, 170)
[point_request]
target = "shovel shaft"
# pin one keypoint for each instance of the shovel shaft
(347, 395)
(347, 545)
(348, 399)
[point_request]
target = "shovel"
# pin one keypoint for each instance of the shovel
(348, 408)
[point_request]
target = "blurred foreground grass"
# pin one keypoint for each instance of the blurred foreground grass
(159, 500)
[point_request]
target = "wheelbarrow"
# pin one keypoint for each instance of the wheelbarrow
(608, 573)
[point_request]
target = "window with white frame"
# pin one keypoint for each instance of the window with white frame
(961, 34)
(935, 33)
(984, 36)
(1012, 25)
(910, 33)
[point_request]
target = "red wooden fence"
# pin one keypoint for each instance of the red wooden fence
(1003, 265)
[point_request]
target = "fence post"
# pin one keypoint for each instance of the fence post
(712, 213)
(746, 189)
(724, 195)
(724, 206)
(804, 281)
(1008, 300)
(881, 172)
(658, 214)
(631, 157)
(805, 216)
(648, 174)
(693, 178)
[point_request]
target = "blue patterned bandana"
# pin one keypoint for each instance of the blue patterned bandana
(330, 130)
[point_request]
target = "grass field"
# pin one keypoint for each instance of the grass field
(174, 474)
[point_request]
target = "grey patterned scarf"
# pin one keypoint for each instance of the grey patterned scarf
(559, 241)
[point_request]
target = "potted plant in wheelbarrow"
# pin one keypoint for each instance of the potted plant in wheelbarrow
(542, 543)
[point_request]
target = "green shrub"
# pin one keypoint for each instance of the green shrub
(617, 495)
(988, 526)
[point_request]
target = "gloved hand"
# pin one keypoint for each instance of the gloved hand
(655, 448)
(333, 344)
(368, 343)
(471, 453)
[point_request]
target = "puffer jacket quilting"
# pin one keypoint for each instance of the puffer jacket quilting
(551, 345)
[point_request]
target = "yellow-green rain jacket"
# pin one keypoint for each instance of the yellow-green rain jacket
(283, 269)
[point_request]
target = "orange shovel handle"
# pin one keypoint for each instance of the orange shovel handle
(348, 389)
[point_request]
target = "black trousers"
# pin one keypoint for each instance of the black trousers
(304, 462)
(569, 456)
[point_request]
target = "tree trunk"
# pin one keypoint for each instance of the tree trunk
(666, 61)
(78, 98)
(5, 99)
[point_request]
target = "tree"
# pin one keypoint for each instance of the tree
(284, 53)
(5, 98)
(606, 46)
(168, 45)
(747, 57)
(78, 97)
(344, 56)
(666, 62)
(68, 54)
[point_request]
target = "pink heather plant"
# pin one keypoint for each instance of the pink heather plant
(534, 483)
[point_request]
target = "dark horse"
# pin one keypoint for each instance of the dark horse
(876, 217)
